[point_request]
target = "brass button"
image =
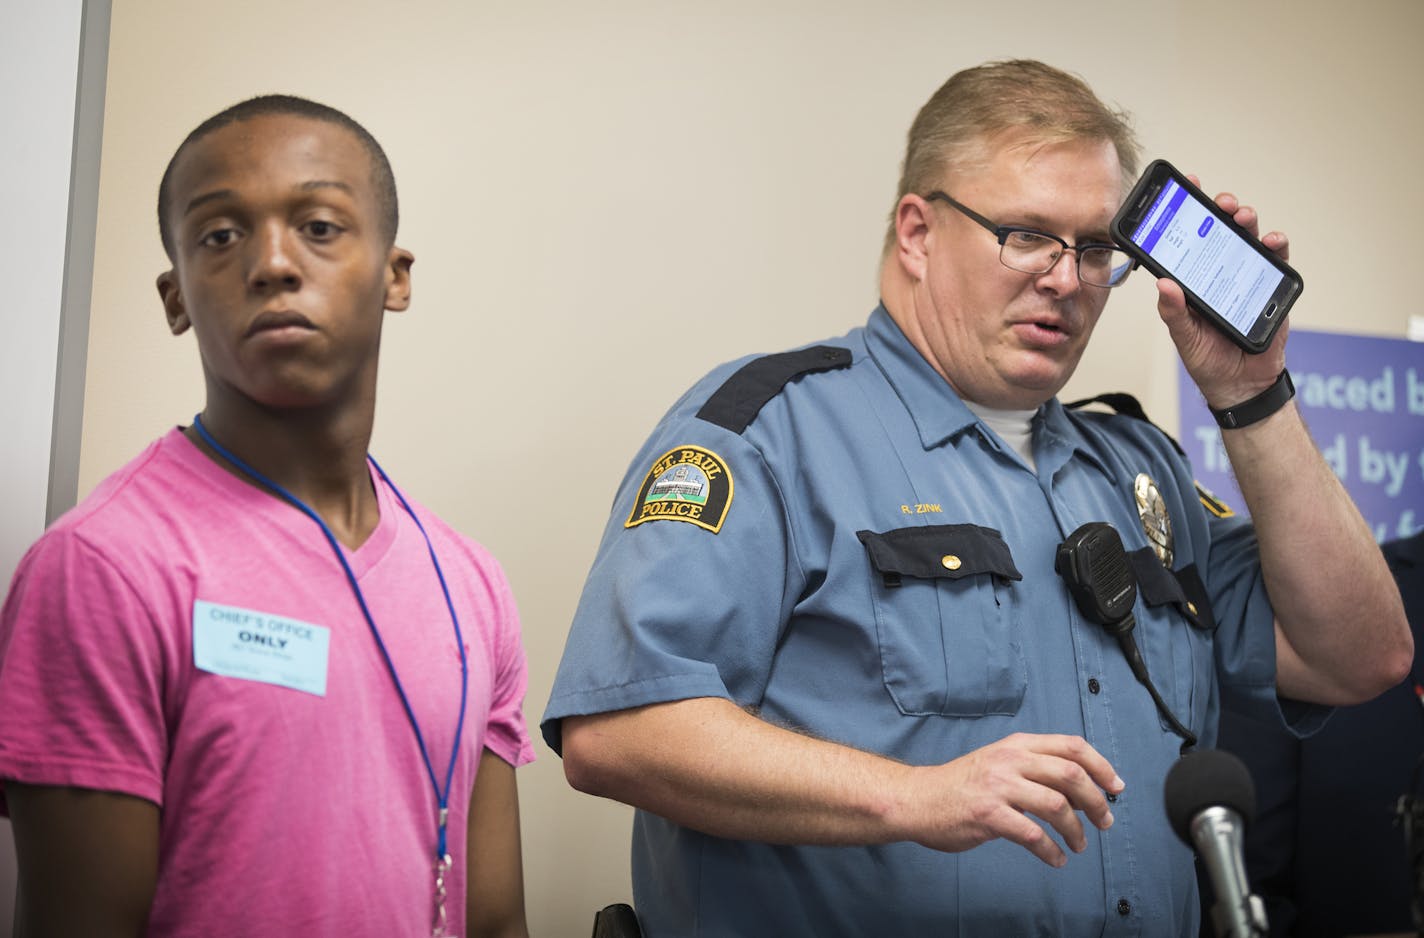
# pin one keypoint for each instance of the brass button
(1192, 608)
(950, 562)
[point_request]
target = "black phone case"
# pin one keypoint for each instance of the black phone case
(1137, 203)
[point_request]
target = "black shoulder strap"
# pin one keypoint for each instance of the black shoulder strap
(741, 397)
(1127, 405)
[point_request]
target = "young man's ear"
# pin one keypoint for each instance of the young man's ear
(398, 279)
(172, 297)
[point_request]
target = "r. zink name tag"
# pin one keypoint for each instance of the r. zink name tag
(260, 646)
(686, 484)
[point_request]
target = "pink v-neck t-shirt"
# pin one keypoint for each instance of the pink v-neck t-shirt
(189, 639)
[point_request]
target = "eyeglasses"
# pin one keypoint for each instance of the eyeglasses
(1031, 251)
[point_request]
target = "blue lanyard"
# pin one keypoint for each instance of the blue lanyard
(442, 797)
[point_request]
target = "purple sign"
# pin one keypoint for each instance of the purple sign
(1363, 399)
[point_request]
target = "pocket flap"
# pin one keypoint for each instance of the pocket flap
(1182, 588)
(939, 551)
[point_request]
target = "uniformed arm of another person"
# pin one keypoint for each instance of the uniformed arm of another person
(88, 861)
(711, 766)
(494, 903)
(1341, 634)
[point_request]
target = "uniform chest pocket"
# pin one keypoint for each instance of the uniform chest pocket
(947, 628)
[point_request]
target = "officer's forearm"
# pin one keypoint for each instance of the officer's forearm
(706, 764)
(1341, 631)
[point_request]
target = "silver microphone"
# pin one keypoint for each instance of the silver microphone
(1210, 800)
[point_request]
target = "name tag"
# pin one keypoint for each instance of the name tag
(260, 646)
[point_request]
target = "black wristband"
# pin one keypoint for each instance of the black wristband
(1259, 407)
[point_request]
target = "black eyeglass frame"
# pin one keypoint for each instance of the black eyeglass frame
(1002, 233)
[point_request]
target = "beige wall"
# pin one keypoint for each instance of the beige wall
(607, 199)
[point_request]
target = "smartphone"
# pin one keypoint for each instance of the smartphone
(1175, 230)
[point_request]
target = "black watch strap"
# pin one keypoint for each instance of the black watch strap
(1259, 407)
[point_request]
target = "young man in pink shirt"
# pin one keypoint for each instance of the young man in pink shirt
(249, 688)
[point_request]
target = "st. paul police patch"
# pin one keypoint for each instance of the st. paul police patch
(688, 484)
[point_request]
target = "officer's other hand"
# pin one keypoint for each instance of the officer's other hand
(1011, 789)
(1225, 374)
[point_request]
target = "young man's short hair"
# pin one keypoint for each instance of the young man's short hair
(382, 179)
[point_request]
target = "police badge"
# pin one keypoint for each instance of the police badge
(1156, 523)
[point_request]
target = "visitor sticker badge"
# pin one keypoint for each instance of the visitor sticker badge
(688, 484)
(260, 646)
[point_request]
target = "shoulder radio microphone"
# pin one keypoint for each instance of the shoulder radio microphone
(1094, 565)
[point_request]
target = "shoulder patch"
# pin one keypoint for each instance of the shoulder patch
(689, 484)
(1213, 504)
(741, 397)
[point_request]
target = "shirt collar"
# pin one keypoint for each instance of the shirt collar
(1060, 436)
(938, 412)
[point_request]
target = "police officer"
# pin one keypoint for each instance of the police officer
(823, 648)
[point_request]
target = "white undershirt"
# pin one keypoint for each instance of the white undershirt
(1014, 427)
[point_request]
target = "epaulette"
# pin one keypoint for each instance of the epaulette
(742, 396)
(1127, 405)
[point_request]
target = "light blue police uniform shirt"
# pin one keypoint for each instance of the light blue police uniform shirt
(783, 610)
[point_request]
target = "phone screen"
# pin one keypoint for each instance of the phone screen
(1207, 256)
